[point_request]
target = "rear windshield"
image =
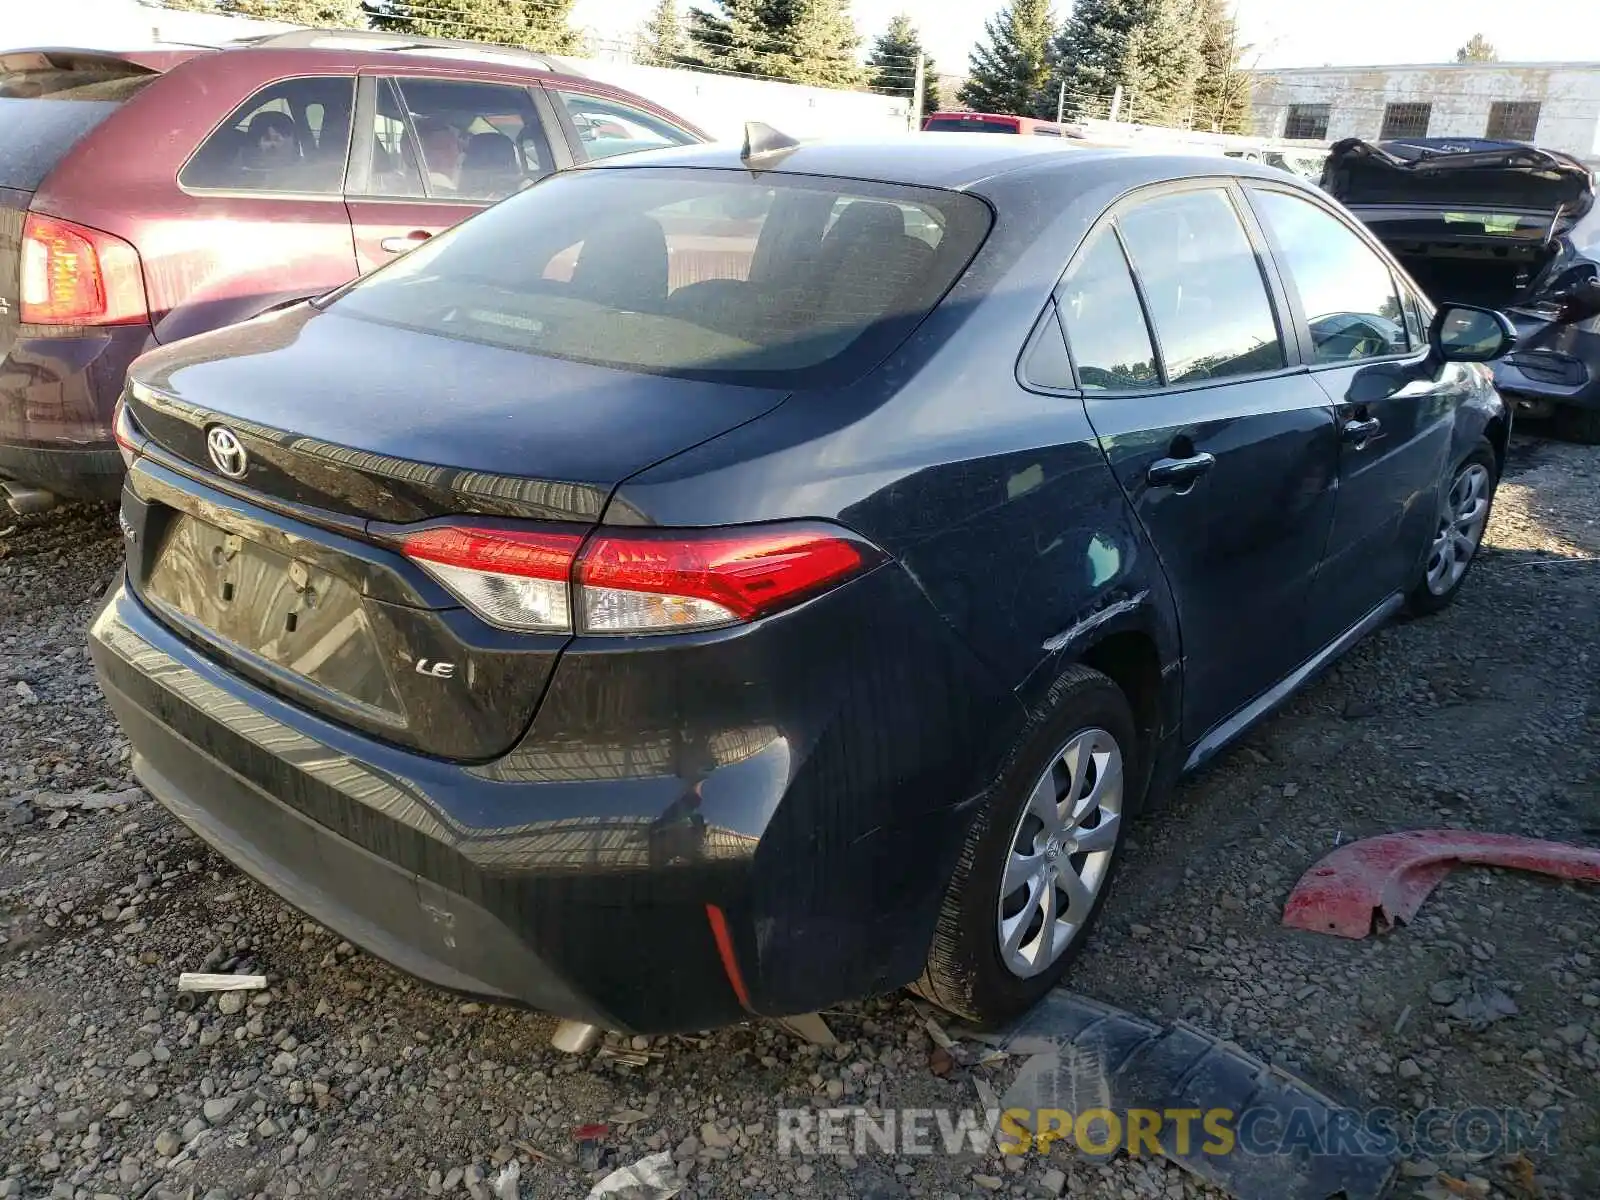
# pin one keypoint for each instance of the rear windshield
(969, 125)
(765, 279)
(47, 106)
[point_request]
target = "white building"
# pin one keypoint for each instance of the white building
(1556, 105)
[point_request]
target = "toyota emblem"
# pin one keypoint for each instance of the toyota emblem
(227, 452)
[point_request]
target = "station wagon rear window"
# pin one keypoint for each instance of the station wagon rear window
(767, 279)
(49, 102)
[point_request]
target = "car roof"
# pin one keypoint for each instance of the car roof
(957, 161)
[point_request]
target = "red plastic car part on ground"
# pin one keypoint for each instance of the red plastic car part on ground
(1392, 874)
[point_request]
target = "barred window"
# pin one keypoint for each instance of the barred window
(1309, 121)
(1405, 121)
(1513, 120)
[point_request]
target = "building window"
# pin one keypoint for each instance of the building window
(1405, 121)
(1309, 121)
(1513, 120)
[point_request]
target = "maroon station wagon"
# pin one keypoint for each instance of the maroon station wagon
(148, 196)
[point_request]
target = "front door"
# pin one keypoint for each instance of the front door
(1365, 346)
(1224, 449)
(430, 151)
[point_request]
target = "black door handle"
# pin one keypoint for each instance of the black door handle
(1179, 472)
(1361, 431)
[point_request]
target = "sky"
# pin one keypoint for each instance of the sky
(1284, 33)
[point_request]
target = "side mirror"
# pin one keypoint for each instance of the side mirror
(1467, 333)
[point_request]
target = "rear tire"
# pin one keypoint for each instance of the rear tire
(1465, 505)
(1054, 827)
(1581, 425)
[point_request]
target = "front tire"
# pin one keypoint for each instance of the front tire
(1038, 861)
(1464, 509)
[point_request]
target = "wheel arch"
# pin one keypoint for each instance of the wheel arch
(1133, 642)
(1498, 432)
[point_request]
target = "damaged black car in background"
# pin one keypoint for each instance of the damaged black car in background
(1500, 224)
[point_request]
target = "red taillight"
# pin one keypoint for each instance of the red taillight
(72, 275)
(637, 582)
(634, 582)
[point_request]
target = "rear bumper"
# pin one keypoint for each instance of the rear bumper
(89, 473)
(582, 894)
(56, 399)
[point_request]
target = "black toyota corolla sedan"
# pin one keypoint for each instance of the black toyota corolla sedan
(732, 582)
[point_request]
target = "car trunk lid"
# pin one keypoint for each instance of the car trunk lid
(348, 429)
(50, 100)
(1471, 220)
(1448, 174)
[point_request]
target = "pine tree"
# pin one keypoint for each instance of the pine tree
(661, 42)
(1477, 49)
(816, 44)
(803, 41)
(892, 65)
(1009, 71)
(1222, 93)
(736, 35)
(1150, 48)
(536, 24)
(320, 14)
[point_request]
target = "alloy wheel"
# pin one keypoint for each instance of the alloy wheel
(1462, 517)
(1060, 852)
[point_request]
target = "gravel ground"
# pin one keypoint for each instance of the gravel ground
(345, 1079)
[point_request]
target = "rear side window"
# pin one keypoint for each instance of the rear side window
(1346, 290)
(774, 280)
(49, 102)
(1208, 301)
(607, 127)
(1104, 322)
(292, 137)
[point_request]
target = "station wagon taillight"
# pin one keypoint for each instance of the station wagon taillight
(638, 581)
(73, 275)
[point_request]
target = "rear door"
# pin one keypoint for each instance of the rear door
(432, 150)
(1225, 447)
(260, 220)
(1363, 342)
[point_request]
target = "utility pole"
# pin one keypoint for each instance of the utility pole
(919, 89)
(1061, 103)
(1116, 103)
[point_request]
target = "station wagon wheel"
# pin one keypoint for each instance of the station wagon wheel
(1038, 861)
(1464, 506)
